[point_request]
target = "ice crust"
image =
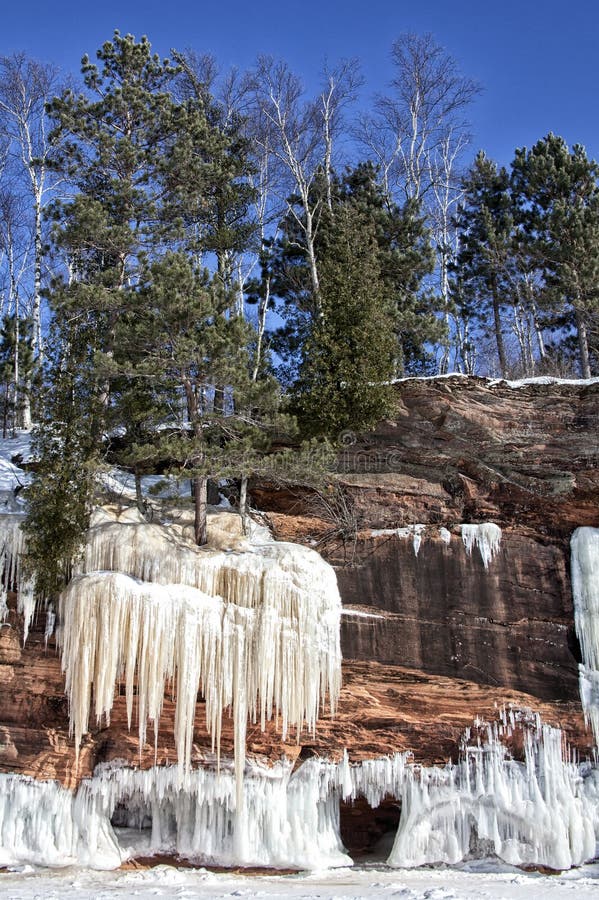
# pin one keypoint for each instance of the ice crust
(584, 546)
(541, 811)
(257, 632)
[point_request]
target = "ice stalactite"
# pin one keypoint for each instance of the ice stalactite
(12, 547)
(584, 547)
(257, 632)
(486, 536)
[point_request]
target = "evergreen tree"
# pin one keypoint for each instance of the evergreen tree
(393, 306)
(349, 355)
(484, 265)
(159, 184)
(558, 206)
(60, 495)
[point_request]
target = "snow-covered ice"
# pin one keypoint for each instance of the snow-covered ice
(491, 881)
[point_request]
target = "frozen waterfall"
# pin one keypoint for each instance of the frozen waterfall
(256, 631)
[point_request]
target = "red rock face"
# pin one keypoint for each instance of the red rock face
(442, 639)
(463, 450)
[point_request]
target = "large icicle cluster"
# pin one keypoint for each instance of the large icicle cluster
(486, 536)
(585, 592)
(542, 811)
(256, 631)
(12, 547)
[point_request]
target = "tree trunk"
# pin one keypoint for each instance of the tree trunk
(243, 506)
(37, 285)
(200, 498)
(499, 335)
(139, 497)
(583, 344)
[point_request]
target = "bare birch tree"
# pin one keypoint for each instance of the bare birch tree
(26, 86)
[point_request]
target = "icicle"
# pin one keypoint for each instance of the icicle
(50, 623)
(258, 632)
(584, 547)
(12, 546)
(445, 535)
(487, 538)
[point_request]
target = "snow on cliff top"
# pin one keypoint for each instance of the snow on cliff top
(492, 382)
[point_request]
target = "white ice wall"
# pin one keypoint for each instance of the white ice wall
(541, 811)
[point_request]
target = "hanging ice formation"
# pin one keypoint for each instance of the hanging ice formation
(541, 811)
(257, 632)
(287, 819)
(12, 546)
(584, 547)
(486, 536)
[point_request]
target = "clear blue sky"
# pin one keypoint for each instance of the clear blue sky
(537, 60)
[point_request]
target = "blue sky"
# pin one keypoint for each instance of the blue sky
(537, 60)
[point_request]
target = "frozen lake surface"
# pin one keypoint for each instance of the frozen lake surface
(476, 880)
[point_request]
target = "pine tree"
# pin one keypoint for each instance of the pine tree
(175, 345)
(558, 206)
(159, 185)
(349, 352)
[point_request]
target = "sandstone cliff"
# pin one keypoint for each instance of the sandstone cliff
(431, 638)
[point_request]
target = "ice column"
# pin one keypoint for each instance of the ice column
(585, 592)
(288, 820)
(541, 811)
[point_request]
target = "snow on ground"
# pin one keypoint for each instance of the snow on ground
(483, 881)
